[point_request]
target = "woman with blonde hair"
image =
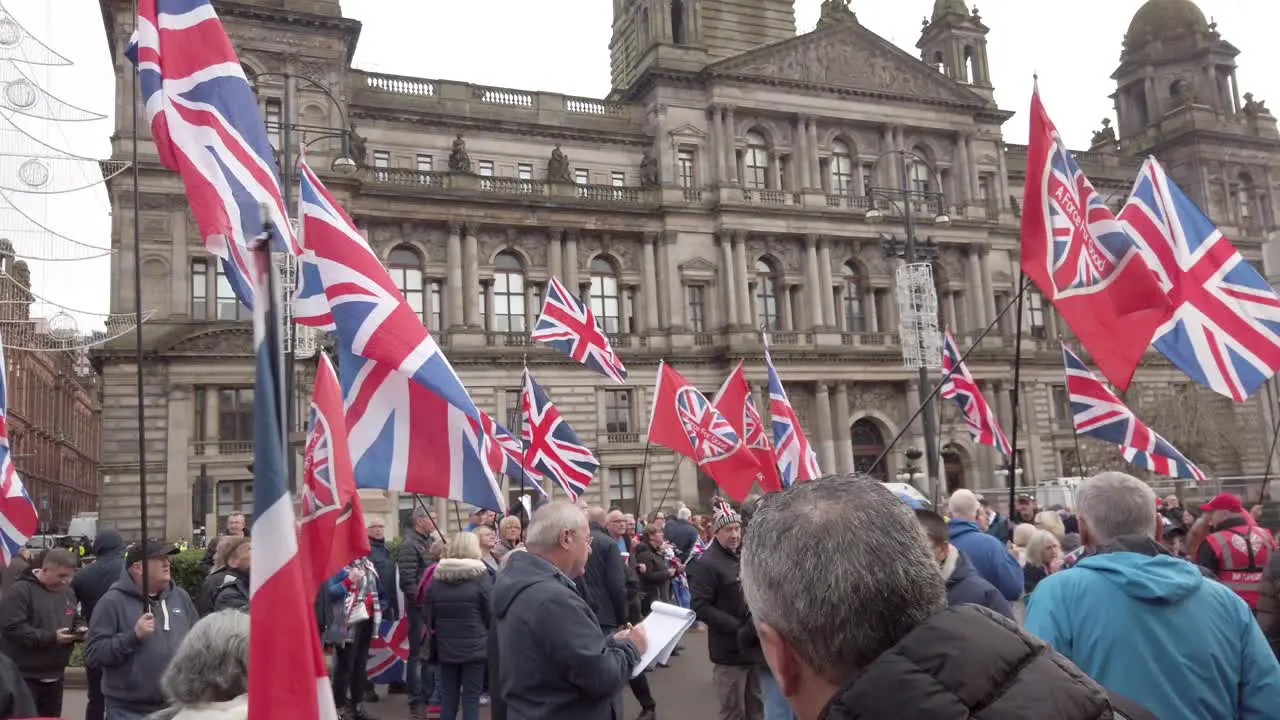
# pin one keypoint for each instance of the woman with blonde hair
(457, 617)
(1051, 520)
(1022, 533)
(1044, 557)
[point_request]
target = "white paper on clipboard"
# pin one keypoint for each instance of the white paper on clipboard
(663, 628)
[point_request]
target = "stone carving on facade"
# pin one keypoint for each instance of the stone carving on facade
(459, 160)
(357, 146)
(650, 177)
(839, 59)
(314, 69)
(1186, 93)
(224, 341)
(625, 253)
(785, 252)
(558, 167)
(952, 265)
(883, 398)
(535, 248)
(1253, 108)
(1106, 136)
(489, 243)
(153, 202)
(873, 261)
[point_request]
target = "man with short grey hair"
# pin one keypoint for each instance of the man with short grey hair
(562, 665)
(852, 617)
(1111, 614)
(989, 556)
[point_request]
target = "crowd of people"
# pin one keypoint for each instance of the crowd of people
(829, 600)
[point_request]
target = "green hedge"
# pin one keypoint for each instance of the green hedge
(186, 571)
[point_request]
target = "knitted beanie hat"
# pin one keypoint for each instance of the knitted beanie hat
(723, 515)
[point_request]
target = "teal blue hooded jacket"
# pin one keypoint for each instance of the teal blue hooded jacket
(1151, 627)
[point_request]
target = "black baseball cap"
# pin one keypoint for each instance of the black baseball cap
(147, 550)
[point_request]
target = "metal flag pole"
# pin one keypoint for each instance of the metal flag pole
(644, 459)
(137, 330)
(418, 498)
(945, 376)
(672, 481)
(1017, 391)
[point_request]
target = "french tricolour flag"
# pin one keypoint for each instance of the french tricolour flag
(287, 674)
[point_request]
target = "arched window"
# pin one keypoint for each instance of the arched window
(405, 265)
(841, 169)
(606, 304)
(854, 319)
(970, 66)
(868, 444)
(755, 163)
(919, 176)
(508, 293)
(1244, 197)
(767, 296)
(939, 63)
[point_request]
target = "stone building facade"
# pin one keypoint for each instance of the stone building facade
(52, 412)
(724, 184)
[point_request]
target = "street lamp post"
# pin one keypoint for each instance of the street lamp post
(911, 253)
(343, 164)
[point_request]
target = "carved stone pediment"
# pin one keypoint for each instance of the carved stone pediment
(699, 269)
(227, 341)
(688, 131)
(848, 56)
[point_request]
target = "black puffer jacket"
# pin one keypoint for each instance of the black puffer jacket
(457, 611)
(412, 560)
(233, 593)
(604, 582)
(92, 582)
(716, 594)
(968, 661)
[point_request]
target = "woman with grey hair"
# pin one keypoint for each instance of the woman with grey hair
(208, 678)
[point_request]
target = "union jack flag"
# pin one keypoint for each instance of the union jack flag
(18, 517)
(512, 453)
(568, 325)
(389, 652)
(206, 126)
(797, 460)
(1098, 413)
(552, 448)
(959, 385)
(1082, 259)
(1225, 329)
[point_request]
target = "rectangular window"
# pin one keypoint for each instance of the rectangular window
(582, 176)
(685, 168)
(697, 308)
(617, 411)
(618, 179)
(437, 305)
(486, 168)
(1035, 314)
(381, 159)
(1062, 406)
(622, 490)
(273, 112)
(228, 305)
(235, 415)
(199, 289)
(525, 171)
(425, 163)
(235, 496)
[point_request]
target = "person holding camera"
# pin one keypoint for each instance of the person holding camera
(38, 627)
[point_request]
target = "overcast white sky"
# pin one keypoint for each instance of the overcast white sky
(562, 46)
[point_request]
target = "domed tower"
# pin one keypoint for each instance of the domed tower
(1173, 57)
(954, 42)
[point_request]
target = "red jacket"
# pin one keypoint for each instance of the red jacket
(1242, 552)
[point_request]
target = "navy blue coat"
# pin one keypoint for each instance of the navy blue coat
(966, 586)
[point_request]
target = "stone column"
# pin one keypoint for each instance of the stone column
(775, 169)
(841, 318)
(960, 175)
(649, 289)
(718, 143)
(730, 146)
(486, 317)
(671, 280)
(627, 310)
(840, 433)
(745, 316)
(728, 279)
(784, 308)
(453, 281)
(988, 295)
(177, 487)
(826, 446)
(978, 307)
(530, 312)
(815, 167)
(800, 165)
(971, 160)
(814, 282)
(1004, 175)
(555, 253)
(470, 277)
(825, 279)
(888, 162)
(570, 278)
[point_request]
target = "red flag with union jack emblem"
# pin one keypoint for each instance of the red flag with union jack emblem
(686, 422)
(1082, 260)
(332, 525)
(735, 403)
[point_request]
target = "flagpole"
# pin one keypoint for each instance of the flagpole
(434, 524)
(524, 361)
(137, 326)
(1275, 435)
(946, 376)
(644, 459)
(1017, 391)
(676, 469)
